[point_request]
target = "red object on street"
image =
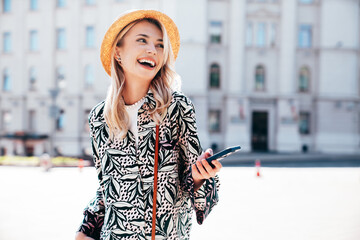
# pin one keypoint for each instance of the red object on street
(81, 164)
(257, 165)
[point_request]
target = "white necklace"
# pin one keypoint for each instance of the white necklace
(135, 104)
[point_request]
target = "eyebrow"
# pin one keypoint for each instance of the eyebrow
(144, 35)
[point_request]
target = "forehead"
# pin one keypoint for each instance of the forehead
(147, 28)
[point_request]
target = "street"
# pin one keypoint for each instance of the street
(302, 160)
(281, 204)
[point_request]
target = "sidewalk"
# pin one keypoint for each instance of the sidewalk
(289, 159)
(282, 204)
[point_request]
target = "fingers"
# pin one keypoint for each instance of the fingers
(211, 171)
(202, 170)
(208, 152)
(217, 165)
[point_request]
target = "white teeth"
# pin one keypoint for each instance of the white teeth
(147, 61)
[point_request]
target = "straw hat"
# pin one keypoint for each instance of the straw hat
(128, 17)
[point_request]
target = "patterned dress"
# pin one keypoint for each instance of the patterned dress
(122, 207)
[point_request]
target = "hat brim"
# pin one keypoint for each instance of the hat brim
(128, 17)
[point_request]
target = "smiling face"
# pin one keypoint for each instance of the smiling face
(141, 52)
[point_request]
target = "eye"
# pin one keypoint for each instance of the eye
(160, 45)
(142, 40)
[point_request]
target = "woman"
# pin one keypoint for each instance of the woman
(138, 52)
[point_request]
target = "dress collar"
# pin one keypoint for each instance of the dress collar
(150, 100)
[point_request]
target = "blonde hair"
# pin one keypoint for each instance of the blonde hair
(115, 114)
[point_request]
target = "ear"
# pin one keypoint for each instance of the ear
(117, 51)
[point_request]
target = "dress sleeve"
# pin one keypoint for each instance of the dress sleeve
(94, 212)
(93, 217)
(204, 199)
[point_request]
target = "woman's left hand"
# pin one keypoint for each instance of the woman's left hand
(202, 170)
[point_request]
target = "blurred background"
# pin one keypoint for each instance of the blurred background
(270, 75)
(280, 78)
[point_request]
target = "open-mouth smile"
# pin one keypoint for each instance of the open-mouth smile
(146, 62)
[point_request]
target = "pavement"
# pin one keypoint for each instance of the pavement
(281, 204)
(275, 159)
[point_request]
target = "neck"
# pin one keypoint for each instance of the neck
(134, 91)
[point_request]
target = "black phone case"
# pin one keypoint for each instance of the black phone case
(222, 154)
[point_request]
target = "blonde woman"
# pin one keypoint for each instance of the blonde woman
(144, 139)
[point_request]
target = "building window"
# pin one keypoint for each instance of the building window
(273, 35)
(90, 37)
(260, 78)
(33, 5)
(304, 79)
(304, 123)
(6, 81)
(89, 76)
(32, 79)
(6, 119)
(60, 3)
(305, 36)
(214, 121)
(60, 121)
(7, 42)
(90, 2)
(306, 1)
(32, 127)
(249, 34)
(6, 5)
(34, 40)
(215, 31)
(60, 77)
(214, 75)
(261, 35)
(60, 38)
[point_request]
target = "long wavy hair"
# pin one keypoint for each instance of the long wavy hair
(161, 86)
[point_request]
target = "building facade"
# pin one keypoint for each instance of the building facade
(269, 75)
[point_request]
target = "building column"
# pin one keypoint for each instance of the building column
(288, 137)
(237, 131)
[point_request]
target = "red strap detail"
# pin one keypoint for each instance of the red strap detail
(155, 182)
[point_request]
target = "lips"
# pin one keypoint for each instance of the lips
(147, 62)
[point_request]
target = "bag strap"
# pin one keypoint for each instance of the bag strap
(155, 183)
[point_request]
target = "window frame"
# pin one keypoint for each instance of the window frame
(90, 36)
(89, 76)
(60, 121)
(304, 73)
(60, 38)
(305, 115)
(217, 114)
(32, 78)
(6, 5)
(261, 34)
(305, 35)
(260, 68)
(215, 72)
(61, 3)
(33, 40)
(6, 84)
(215, 32)
(7, 48)
(34, 5)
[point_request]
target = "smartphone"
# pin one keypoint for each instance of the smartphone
(224, 153)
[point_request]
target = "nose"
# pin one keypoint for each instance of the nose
(151, 49)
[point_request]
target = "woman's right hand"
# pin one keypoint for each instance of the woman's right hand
(82, 236)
